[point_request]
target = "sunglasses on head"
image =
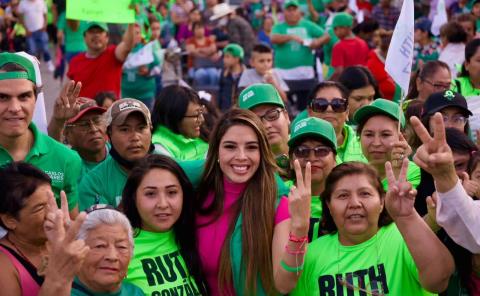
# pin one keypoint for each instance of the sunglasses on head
(338, 105)
(304, 152)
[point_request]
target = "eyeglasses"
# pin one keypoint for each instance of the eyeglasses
(437, 85)
(338, 105)
(88, 125)
(455, 119)
(304, 152)
(271, 115)
(199, 114)
(98, 207)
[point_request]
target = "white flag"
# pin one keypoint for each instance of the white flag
(400, 53)
(440, 18)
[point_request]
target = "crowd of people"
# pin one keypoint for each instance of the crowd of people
(250, 148)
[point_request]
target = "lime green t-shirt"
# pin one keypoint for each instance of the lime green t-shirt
(292, 54)
(79, 289)
(351, 149)
(74, 41)
(413, 176)
(56, 160)
(382, 263)
(463, 86)
(103, 185)
(157, 266)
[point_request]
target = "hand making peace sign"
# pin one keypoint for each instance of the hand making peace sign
(300, 196)
(400, 197)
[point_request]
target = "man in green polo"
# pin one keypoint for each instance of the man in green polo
(265, 101)
(20, 140)
(129, 129)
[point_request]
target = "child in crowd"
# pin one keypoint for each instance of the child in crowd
(232, 70)
(262, 71)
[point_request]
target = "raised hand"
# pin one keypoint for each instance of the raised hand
(66, 105)
(471, 187)
(434, 155)
(400, 197)
(300, 196)
(400, 150)
(65, 252)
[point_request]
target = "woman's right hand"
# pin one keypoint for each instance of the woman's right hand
(299, 199)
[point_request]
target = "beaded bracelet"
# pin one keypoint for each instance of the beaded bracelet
(294, 252)
(289, 268)
(296, 239)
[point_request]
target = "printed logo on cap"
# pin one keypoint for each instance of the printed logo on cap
(449, 95)
(129, 105)
(301, 124)
(248, 95)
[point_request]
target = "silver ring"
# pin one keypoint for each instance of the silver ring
(402, 156)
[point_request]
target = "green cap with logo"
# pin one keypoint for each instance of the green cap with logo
(93, 24)
(313, 127)
(380, 107)
(13, 58)
(259, 94)
(234, 49)
(342, 19)
(289, 3)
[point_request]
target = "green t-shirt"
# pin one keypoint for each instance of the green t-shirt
(74, 41)
(463, 86)
(157, 266)
(138, 86)
(127, 289)
(102, 185)
(178, 146)
(413, 176)
(292, 54)
(87, 166)
(56, 160)
(382, 261)
(351, 149)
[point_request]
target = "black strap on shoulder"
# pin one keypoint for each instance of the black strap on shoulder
(32, 270)
(459, 86)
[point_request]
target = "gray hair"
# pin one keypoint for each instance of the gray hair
(102, 217)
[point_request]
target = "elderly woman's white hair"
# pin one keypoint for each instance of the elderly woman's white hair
(102, 217)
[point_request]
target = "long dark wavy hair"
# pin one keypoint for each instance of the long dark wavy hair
(348, 169)
(256, 205)
(184, 227)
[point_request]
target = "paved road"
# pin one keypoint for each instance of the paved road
(51, 89)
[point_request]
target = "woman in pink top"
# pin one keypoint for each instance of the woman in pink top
(30, 215)
(251, 240)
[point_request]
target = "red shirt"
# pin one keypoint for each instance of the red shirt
(385, 82)
(103, 73)
(350, 52)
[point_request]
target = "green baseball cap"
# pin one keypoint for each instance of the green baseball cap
(313, 127)
(289, 3)
(342, 19)
(90, 25)
(258, 94)
(234, 50)
(29, 73)
(380, 107)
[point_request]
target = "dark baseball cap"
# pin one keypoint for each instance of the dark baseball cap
(441, 100)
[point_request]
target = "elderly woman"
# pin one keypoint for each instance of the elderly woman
(108, 234)
(26, 199)
(364, 251)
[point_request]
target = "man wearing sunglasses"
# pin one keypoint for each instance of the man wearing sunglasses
(328, 101)
(265, 101)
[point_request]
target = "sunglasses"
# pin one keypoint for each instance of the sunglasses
(338, 105)
(304, 152)
(271, 115)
